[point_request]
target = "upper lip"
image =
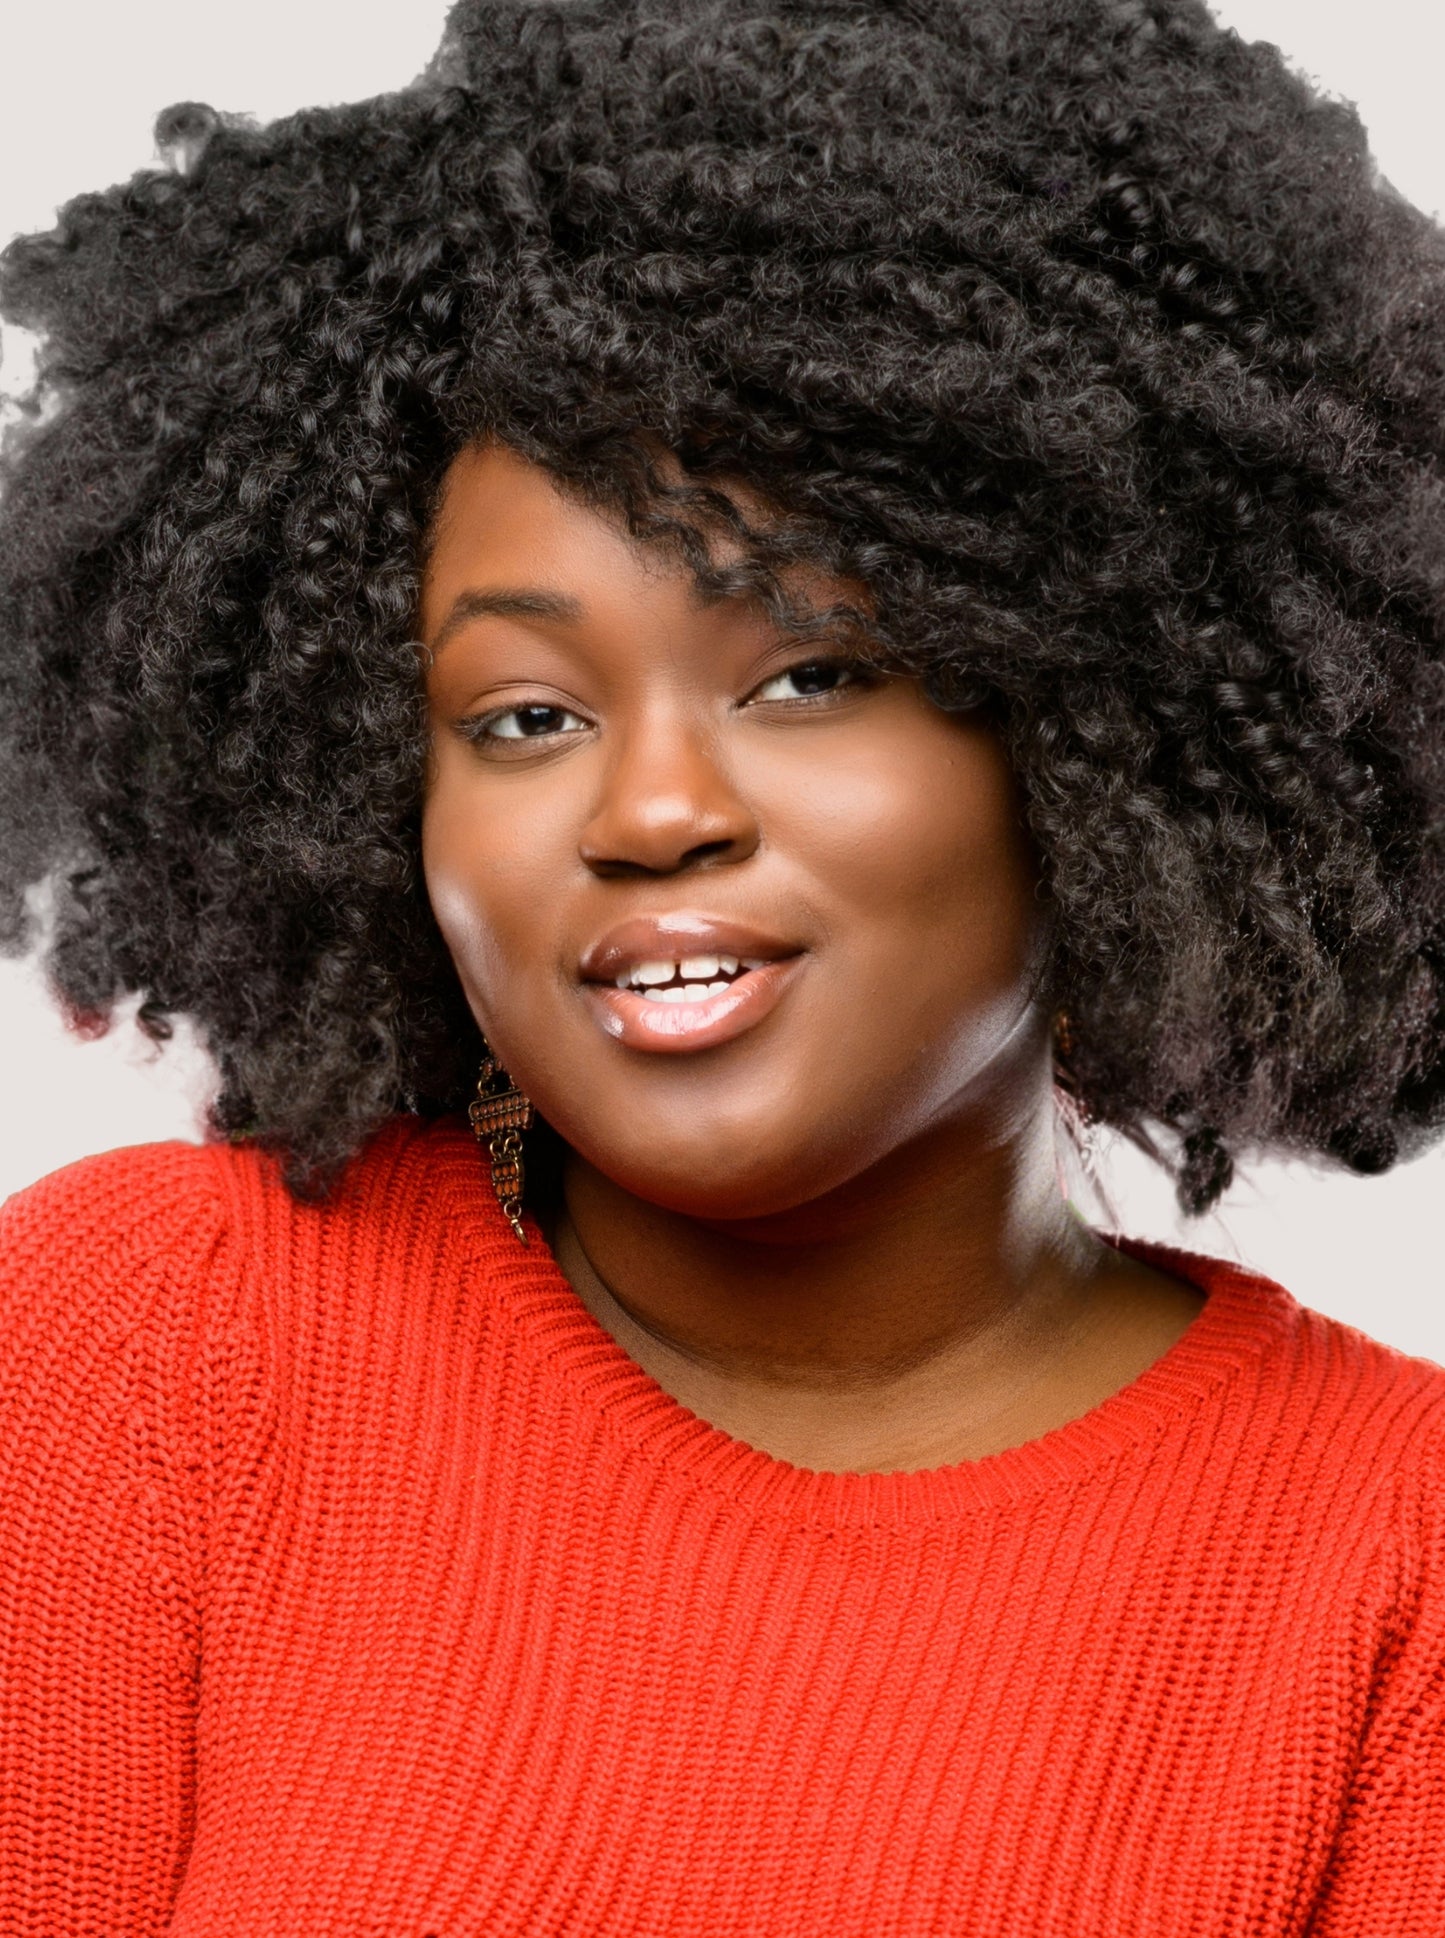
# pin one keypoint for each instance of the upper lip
(674, 937)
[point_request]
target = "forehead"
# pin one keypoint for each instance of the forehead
(499, 509)
(509, 538)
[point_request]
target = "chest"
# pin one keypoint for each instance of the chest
(570, 1698)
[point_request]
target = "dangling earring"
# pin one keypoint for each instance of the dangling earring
(1075, 1109)
(1078, 1119)
(499, 1114)
(1064, 1038)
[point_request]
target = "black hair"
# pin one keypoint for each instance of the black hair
(1082, 331)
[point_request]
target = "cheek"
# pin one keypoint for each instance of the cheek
(923, 848)
(485, 867)
(450, 867)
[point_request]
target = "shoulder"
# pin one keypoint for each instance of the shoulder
(158, 1191)
(1385, 1404)
(1373, 1419)
(1350, 1420)
(105, 1231)
(128, 1194)
(185, 1284)
(119, 1225)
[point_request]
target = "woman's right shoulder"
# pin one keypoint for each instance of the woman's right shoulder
(156, 1197)
(112, 1232)
(128, 1181)
(148, 1219)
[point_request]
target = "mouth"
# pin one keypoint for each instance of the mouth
(685, 982)
(688, 979)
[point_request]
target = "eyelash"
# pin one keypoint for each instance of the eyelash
(480, 727)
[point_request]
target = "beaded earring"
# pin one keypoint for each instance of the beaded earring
(1075, 1114)
(499, 1114)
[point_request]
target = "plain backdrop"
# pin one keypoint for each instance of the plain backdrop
(83, 82)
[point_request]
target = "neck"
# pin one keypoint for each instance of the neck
(920, 1309)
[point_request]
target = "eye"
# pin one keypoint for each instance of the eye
(533, 722)
(811, 679)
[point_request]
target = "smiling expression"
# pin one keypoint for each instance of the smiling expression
(742, 917)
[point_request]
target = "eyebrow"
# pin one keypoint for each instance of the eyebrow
(506, 602)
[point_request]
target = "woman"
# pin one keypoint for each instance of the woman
(803, 589)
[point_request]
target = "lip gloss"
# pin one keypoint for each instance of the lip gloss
(640, 1023)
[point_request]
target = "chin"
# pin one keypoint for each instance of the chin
(719, 1184)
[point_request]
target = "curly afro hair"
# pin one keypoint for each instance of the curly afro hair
(1082, 331)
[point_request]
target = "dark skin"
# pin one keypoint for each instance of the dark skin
(836, 1235)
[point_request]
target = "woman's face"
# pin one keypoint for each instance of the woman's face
(741, 921)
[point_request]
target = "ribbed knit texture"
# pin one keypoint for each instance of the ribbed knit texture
(354, 1581)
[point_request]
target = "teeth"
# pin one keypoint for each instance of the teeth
(691, 992)
(699, 973)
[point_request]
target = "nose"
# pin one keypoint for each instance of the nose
(667, 803)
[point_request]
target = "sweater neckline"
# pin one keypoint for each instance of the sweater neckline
(1242, 1313)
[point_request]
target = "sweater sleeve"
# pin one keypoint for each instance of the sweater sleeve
(1387, 1872)
(101, 1539)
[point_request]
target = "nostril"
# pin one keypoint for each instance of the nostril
(699, 855)
(707, 851)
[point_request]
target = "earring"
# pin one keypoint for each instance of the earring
(1066, 1088)
(1064, 1034)
(1074, 1109)
(499, 1114)
(1077, 1118)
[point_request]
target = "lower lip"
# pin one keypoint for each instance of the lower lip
(640, 1024)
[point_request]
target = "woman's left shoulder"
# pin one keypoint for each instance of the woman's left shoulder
(1374, 1412)
(1391, 1398)
(1307, 1390)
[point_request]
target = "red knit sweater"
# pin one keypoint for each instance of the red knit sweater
(353, 1581)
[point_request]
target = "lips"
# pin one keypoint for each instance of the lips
(685, 981)
(677, 937)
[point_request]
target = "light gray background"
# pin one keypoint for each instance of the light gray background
(83, 84)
